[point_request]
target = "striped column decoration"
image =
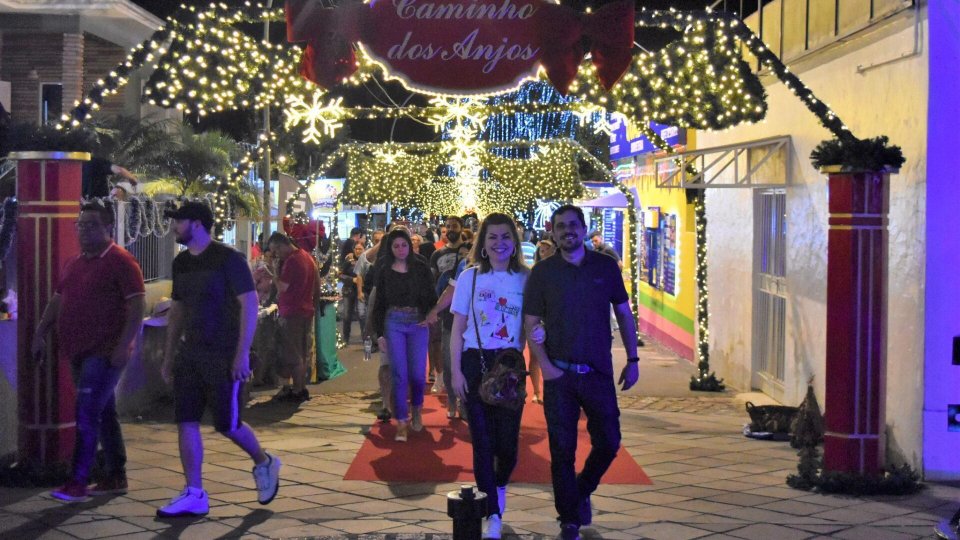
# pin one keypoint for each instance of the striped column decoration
(856, 322)
(48, 189)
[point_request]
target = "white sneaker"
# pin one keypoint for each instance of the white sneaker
(492, 526)
(267, 477)
(502, 499)
(438, 387)
(190, 502)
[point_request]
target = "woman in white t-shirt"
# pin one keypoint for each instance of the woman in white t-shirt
(494, 302)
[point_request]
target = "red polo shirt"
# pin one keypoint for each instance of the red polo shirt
(93, 296)
(300, 273)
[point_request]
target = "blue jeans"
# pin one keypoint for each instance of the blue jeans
(494, 432)
(97, 421)
(407, 343)
(563, 398)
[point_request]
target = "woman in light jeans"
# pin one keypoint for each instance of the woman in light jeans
(405, 293)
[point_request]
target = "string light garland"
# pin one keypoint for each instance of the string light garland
(705, 380)
(203, 62)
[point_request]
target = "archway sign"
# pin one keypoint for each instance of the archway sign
(462, 47)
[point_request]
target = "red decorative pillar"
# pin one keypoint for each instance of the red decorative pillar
(856, 322)
(48, 190)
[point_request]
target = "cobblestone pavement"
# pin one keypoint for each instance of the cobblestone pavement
(708, 482)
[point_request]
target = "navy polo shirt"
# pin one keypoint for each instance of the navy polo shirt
(574, 303)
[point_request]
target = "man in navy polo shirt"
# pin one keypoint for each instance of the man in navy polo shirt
(571, 295)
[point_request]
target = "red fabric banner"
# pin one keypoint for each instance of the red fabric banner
(462, 47)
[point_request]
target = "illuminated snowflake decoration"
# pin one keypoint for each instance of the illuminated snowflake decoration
(598, 118)
(318, 118)
(389, 158)
(462, 113)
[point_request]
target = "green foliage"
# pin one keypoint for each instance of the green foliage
(139, 144)
(858, 155)
(901, 480)
(29, 137)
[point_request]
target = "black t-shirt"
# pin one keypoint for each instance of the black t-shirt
(443, 264)
(95, 173)
(574, 303)
(208, 286)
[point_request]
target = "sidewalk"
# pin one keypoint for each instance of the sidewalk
(708, 481)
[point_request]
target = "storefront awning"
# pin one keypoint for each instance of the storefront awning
(614, 200)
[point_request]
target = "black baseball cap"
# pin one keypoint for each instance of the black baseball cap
(193, 211)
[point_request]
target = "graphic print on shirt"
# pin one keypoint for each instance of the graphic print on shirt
(496, 315)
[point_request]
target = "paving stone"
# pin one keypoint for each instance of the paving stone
(872, 533)
(668, 531)
(767, 531)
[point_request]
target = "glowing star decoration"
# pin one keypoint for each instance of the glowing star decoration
(315, 115)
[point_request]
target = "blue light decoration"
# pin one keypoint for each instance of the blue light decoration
(529, 126)
(623, 145)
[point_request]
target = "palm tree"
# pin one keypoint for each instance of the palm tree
(139, 144)
(195, 165)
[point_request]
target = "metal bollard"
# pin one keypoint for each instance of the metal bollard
(467, 507)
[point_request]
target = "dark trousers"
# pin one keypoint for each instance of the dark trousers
(495, 432)
(350, 313)
(563, 398)
(97, 420)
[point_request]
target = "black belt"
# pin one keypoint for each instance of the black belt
(579, 369)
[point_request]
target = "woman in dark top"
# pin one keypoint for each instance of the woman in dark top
(404, 294)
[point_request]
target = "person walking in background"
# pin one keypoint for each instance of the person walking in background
(545, 248)
(487, 319)
(351, 293)
(207, 355)
(563, 292)
(596, 240)
(527, 245)
(94, 177)
(444, 264)
(403, 295)
(295, 281)
(98, 307)
(357, 236)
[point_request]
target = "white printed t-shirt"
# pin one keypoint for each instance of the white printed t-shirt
(498, 302)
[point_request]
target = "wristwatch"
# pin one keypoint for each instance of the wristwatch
(633, 360)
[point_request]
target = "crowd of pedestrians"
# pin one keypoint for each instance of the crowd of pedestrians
(460, 300)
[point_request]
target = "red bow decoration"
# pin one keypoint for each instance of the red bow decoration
(329, 57)
(610, 30)
(557, 31)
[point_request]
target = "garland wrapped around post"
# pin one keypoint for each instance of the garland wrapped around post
(705, 380)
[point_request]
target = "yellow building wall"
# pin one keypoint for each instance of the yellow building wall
(667, 318)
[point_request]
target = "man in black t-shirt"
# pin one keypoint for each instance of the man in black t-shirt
(95, 173)
(207, 355)
(443, 263)
(571, 294)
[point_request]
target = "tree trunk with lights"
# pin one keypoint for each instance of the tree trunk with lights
(704, 380)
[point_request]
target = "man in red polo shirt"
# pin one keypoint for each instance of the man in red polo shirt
(98, 307)
(295, 284)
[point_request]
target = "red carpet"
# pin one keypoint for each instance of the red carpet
(442, 452)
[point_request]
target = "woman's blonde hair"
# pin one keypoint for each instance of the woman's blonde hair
(477, 254)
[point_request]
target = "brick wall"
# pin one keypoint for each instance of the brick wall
(73, 47)
(28, 60)
(99, 58)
